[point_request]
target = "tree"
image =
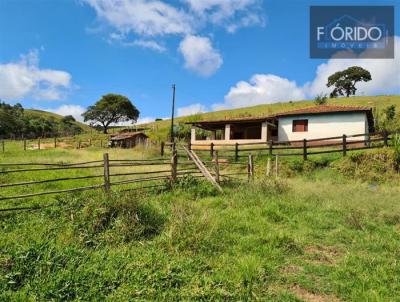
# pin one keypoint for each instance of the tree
(68, 119)
(344, 81)
(321, 99)
(111, 108)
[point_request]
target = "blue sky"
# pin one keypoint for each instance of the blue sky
(63, 55)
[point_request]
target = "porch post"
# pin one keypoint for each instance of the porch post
(264, 131)
(193, 135)
(227, 132)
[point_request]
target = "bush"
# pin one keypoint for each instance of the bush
(118, 218)
(378, 165)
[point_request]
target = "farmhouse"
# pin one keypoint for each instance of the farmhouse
(128, 139)
(307, 123)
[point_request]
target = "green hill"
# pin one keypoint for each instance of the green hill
(55, 116)
(160, 128)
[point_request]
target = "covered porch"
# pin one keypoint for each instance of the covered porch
(228, 132)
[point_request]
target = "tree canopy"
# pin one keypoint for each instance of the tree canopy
(345, 81)
(15, 122)
(111, 108)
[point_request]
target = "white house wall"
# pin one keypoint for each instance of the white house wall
(324, 125)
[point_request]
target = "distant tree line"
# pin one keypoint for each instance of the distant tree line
(15, 122)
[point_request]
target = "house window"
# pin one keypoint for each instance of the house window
(300, 126)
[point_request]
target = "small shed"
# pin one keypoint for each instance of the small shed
(128, 139)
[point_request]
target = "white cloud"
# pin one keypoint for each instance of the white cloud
(66, 109)
(145, 120)
(230, 14)
(143, 17)
(191, 109)
(268, 88)
(261, 89)
(199, 55)
(150, 44)
(25, 78)
(149, 20)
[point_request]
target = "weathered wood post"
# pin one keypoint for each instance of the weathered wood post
(270, 145)
(190, 146)
(24, 144)
(216, 167)
(3, 147)
(268, 172)
(90, 142)
(250, 168)
(79, 144)
(276, 166)
(236, 152)
(162, 146)
(39, 143)
(174, 165)
(106, 172)
(55, 142)
(212, 150)
(344, 145)
(385, 138)
(304, 149)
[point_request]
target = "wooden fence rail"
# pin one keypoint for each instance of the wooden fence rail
(168, 173)
(304, 147)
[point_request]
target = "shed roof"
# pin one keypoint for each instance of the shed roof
(127, 135)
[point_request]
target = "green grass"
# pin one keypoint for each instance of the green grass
(316, 235)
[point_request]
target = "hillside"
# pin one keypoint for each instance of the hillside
(55, 116)
(160, 128)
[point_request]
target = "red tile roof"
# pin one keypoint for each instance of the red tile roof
(323, 109)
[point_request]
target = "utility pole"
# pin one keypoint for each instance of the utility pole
(172, 114)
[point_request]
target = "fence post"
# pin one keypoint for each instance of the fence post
(212, 150)
(250, 168)
(216, 167)
(305, 149)
(90, 142)
(276, 166)
(162, 149)
(190, 146)
(174, 165)
(101, 143)
(79, 144)
(2, 145)
(270, 144)
(385, 138)
(236, 152)
(106, 172)
(268, 166)
(39, 144)
(55, 142)
(344, 144)
(24, 144)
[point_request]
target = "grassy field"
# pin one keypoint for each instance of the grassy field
(316, 235)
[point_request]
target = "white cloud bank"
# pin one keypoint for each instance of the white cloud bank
(191, 109)
(199, 55)
(269, 88)
(66, 109)
(24, 78)
(151, 20)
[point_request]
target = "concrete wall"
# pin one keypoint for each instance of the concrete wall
(324, 125)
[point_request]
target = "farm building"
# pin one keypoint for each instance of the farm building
(128, 139)
(306, 123)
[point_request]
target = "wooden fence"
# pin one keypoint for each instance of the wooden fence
(305, 148)
(168, 171)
